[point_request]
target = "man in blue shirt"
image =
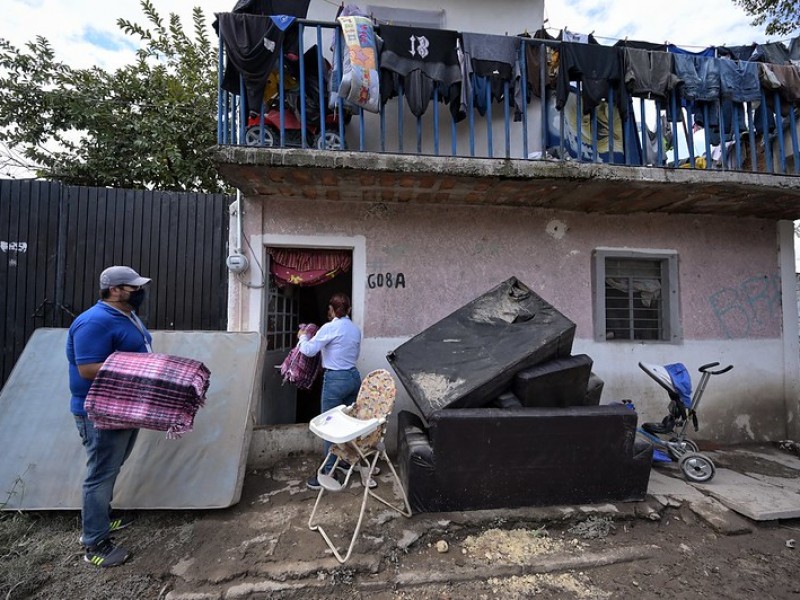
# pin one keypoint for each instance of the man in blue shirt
(339, 340)
(110, 325)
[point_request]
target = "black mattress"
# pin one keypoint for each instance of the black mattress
(471, 356)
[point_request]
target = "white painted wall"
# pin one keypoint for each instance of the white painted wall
(729, 406)
(756, 401)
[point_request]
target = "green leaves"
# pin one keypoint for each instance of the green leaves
(149, 124)
(782, 17)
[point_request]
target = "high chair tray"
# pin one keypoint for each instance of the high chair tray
(336, 426)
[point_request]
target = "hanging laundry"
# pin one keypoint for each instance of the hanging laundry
(576, 38)
(598, 68)
(794, 51)
(533, 60)
(783, 79)
(349, 10)
(293, 8)
(639, 45)
(252, 46)
(707, 115)
(492, 61)
(360, 84)
(698, 77)
(771, 52)
(649, 74)
(751, 52)
(709, 52)
(419, 60)
(739, 81)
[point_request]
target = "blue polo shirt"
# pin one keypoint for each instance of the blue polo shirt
(96, 334)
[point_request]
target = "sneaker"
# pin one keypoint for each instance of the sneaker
(313, 484)
(116, 523)
(120, 522)
(106, 554)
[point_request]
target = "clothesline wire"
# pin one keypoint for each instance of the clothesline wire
(614, 39)
(598, 37)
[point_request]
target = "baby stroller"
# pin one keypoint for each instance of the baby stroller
(669, 436)
(265, 130)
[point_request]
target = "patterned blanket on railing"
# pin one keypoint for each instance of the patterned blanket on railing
(360, 83)
(150, 391)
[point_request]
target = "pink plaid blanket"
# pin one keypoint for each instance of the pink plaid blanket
(299, 369)
(151, 391)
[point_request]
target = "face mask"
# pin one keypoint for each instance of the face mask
(135, 299)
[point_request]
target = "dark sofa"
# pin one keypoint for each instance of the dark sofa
(479, 458)
(507, 417)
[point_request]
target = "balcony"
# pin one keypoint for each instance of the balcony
(638, 155)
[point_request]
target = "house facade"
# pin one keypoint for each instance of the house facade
(653, 264)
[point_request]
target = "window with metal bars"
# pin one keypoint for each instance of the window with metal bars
(635, 295)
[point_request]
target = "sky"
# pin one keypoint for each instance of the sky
(85, 33)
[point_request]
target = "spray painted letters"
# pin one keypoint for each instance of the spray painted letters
(750, 310)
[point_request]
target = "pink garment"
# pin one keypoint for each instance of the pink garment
(299, 369)
(148, 390)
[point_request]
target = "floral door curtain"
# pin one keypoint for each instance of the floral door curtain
(307, 267)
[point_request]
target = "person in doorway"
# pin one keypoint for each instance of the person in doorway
(339, 341)
(110, 325)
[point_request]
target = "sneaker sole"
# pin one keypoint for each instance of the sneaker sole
(98, 561)
(118, 524)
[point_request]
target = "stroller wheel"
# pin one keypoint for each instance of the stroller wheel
(252, 136)
(697, 467)
(331, 141)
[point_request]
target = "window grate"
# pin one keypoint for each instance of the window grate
(633, 299)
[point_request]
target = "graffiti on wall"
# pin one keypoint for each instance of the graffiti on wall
(13, 249)
(750, 309)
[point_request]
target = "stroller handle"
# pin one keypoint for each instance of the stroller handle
(707, 369)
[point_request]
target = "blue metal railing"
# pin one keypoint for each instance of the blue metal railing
(298, 115)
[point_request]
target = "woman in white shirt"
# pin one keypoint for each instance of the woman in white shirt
(339, 341)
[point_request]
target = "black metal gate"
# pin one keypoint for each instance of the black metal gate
(56, 239)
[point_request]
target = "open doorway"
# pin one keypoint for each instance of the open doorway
(288, 305)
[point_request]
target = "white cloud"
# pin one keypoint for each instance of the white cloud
(687, 23)
(65, 25)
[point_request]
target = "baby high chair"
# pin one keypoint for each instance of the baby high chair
(357, 433)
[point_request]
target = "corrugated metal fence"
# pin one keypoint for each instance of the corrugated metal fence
(56, 239)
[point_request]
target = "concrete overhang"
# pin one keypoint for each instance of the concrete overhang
(315, 175)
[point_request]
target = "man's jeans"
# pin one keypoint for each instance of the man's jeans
(338, 387)
(107, 449)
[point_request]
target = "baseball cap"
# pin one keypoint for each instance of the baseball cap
(119, 275)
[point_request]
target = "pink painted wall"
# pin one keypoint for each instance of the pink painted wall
(728, 267)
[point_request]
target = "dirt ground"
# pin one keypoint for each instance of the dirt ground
(262, 548)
